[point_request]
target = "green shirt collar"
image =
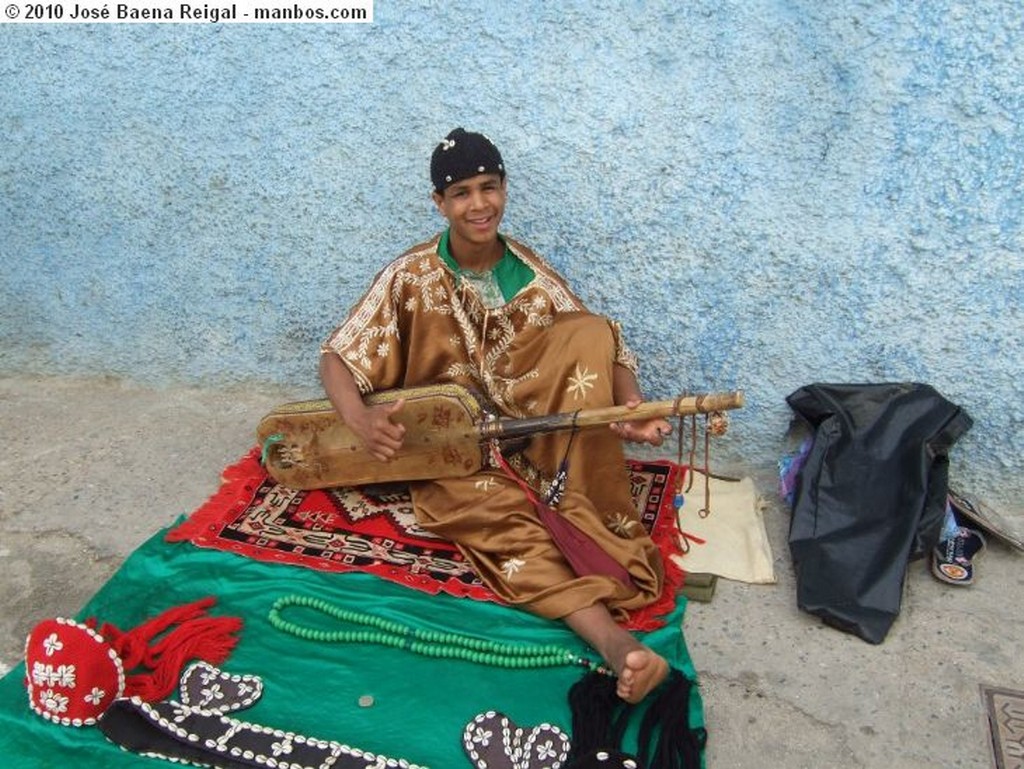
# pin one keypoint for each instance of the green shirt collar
(511, 273)
(445, 252)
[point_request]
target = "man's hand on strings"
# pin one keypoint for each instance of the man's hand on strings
(651, 431)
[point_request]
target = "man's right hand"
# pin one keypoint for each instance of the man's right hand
(375, 427)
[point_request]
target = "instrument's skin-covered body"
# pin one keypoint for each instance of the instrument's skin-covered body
(306, 445)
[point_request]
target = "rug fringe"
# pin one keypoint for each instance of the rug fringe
(239, 483)
(666, 537)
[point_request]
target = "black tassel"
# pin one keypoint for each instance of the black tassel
(666, 739)
(599, 715)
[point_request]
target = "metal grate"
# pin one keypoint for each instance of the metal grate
(1005, 710)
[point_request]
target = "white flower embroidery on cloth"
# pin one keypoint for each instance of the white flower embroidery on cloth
(481, 736)
(48, 675)
(581, 382)
(95, 697)
(53, 702)
(493, 741)
(621, 524)
(52, 644)
(180, 713)
(512, 567)
(210, 694)
(546, 750)
(282, 748)
(485, 484)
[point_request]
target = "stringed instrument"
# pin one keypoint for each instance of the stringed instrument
(306, 445)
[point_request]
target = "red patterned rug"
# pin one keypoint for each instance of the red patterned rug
(373, 529)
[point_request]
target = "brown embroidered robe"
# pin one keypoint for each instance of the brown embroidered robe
(541, 352)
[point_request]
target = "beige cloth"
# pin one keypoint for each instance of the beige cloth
(735, 541)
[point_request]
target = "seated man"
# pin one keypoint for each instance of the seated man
(475, 308)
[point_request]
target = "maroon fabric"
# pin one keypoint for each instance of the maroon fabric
(583, 554)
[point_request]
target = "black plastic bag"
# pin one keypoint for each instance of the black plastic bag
(870, 497)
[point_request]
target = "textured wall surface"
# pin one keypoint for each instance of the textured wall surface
(765, 193)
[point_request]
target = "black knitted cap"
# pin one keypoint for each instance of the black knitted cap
(461, 155)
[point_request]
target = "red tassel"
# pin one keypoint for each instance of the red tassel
(195, 636)
(208, 638)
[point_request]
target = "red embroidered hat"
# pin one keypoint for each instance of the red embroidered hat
(74, 671)
(73, 674)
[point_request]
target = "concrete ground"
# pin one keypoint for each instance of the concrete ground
(781, 690)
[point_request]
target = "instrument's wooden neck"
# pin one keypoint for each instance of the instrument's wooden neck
(508, 427)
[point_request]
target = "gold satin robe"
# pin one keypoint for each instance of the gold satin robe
(540, 353)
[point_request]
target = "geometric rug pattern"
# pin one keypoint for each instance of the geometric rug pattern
(372, 529)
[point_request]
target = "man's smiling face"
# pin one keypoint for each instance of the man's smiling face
(474, 208)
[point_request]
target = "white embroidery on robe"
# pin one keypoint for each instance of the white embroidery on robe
(485, 484)
(511, 567)
(419, 282)
(621, 524)
(580, 382)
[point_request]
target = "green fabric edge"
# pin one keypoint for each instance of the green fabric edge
(420, 704)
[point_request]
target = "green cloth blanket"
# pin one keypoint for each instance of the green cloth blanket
(420, 705)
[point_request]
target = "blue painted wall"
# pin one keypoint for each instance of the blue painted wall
(765, 193)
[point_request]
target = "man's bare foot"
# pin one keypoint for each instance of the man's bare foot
(638, 667)
(643, 671)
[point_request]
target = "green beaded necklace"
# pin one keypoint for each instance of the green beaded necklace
(430, 643)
